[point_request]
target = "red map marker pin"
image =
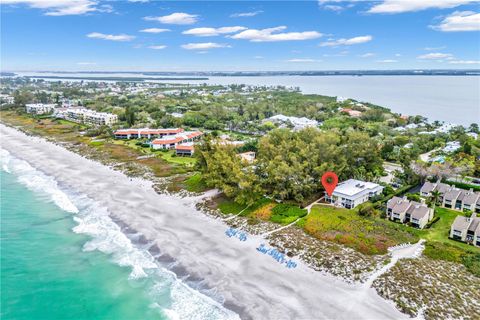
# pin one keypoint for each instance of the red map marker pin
(329, 182)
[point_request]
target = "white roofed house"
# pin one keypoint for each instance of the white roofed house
(296, 122)
(451, 146)
(352, 193)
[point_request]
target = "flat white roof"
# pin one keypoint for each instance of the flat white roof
(352, 187)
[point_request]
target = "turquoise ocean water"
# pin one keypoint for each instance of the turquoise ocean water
(62, 257)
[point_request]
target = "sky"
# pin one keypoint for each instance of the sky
(147, 35)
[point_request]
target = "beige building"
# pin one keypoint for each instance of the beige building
(405, 211)
(452, 197)
(39, 108)
(466, 229)
(83, 115)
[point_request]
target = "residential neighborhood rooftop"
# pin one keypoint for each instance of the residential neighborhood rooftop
(352, 187)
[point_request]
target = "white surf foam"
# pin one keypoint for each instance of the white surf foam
(174, 298)
(36, 180)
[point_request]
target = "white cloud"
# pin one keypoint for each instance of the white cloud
(333, 7)
(154, 30)
(387, 61)
(111, 37)
(245, 14)
(140, 1)
(460, 21)
(175, 18)
(301, 60)
(209, 32)
(61, 7)
(158, 47)
(434, 48)
(465, 61)
(258, 57)
(399, 6)
(367, 55)
(398, 54)
(435, 56)
(204, 46)
(274, 34)
(347, 42)
(86, 63)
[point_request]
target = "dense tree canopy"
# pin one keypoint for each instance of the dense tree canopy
(289, 164)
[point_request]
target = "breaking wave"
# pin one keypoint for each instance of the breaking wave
(170, 295)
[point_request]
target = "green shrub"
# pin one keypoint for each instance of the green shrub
(413, 197)
(442, 251)
(286, 213)
(435, 219)
(465, 186)
(367, 209)
(472, 261)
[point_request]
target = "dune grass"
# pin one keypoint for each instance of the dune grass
(367, 235)
(195, 183)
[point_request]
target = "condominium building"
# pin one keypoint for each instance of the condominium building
(83, 115)
(452, 197)
(146, 133)
(39, 108)
(405, 211)
(185, 149)
(466, 229)
(171, 142)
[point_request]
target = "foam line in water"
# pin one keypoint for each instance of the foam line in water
(36, 180)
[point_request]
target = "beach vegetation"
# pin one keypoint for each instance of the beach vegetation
(369, 235)
(195, 183)
(286, 213)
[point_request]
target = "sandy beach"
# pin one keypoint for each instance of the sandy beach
(252, 284)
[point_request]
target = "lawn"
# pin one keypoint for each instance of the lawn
(367, 235)
(170, 156)
(228, 206)
(286, 213)
(263, 209)
(440, 230)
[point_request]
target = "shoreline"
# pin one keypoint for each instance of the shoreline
(198, 244)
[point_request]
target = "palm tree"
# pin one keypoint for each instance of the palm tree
(434, 196)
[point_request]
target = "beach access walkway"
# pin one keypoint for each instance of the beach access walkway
(308, 208)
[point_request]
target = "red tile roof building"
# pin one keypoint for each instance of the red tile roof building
(171, 142)
(146, 133)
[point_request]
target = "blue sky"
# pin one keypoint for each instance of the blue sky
(239, 35)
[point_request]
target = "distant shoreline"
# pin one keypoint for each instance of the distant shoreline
(126, 79)
(203, 75)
